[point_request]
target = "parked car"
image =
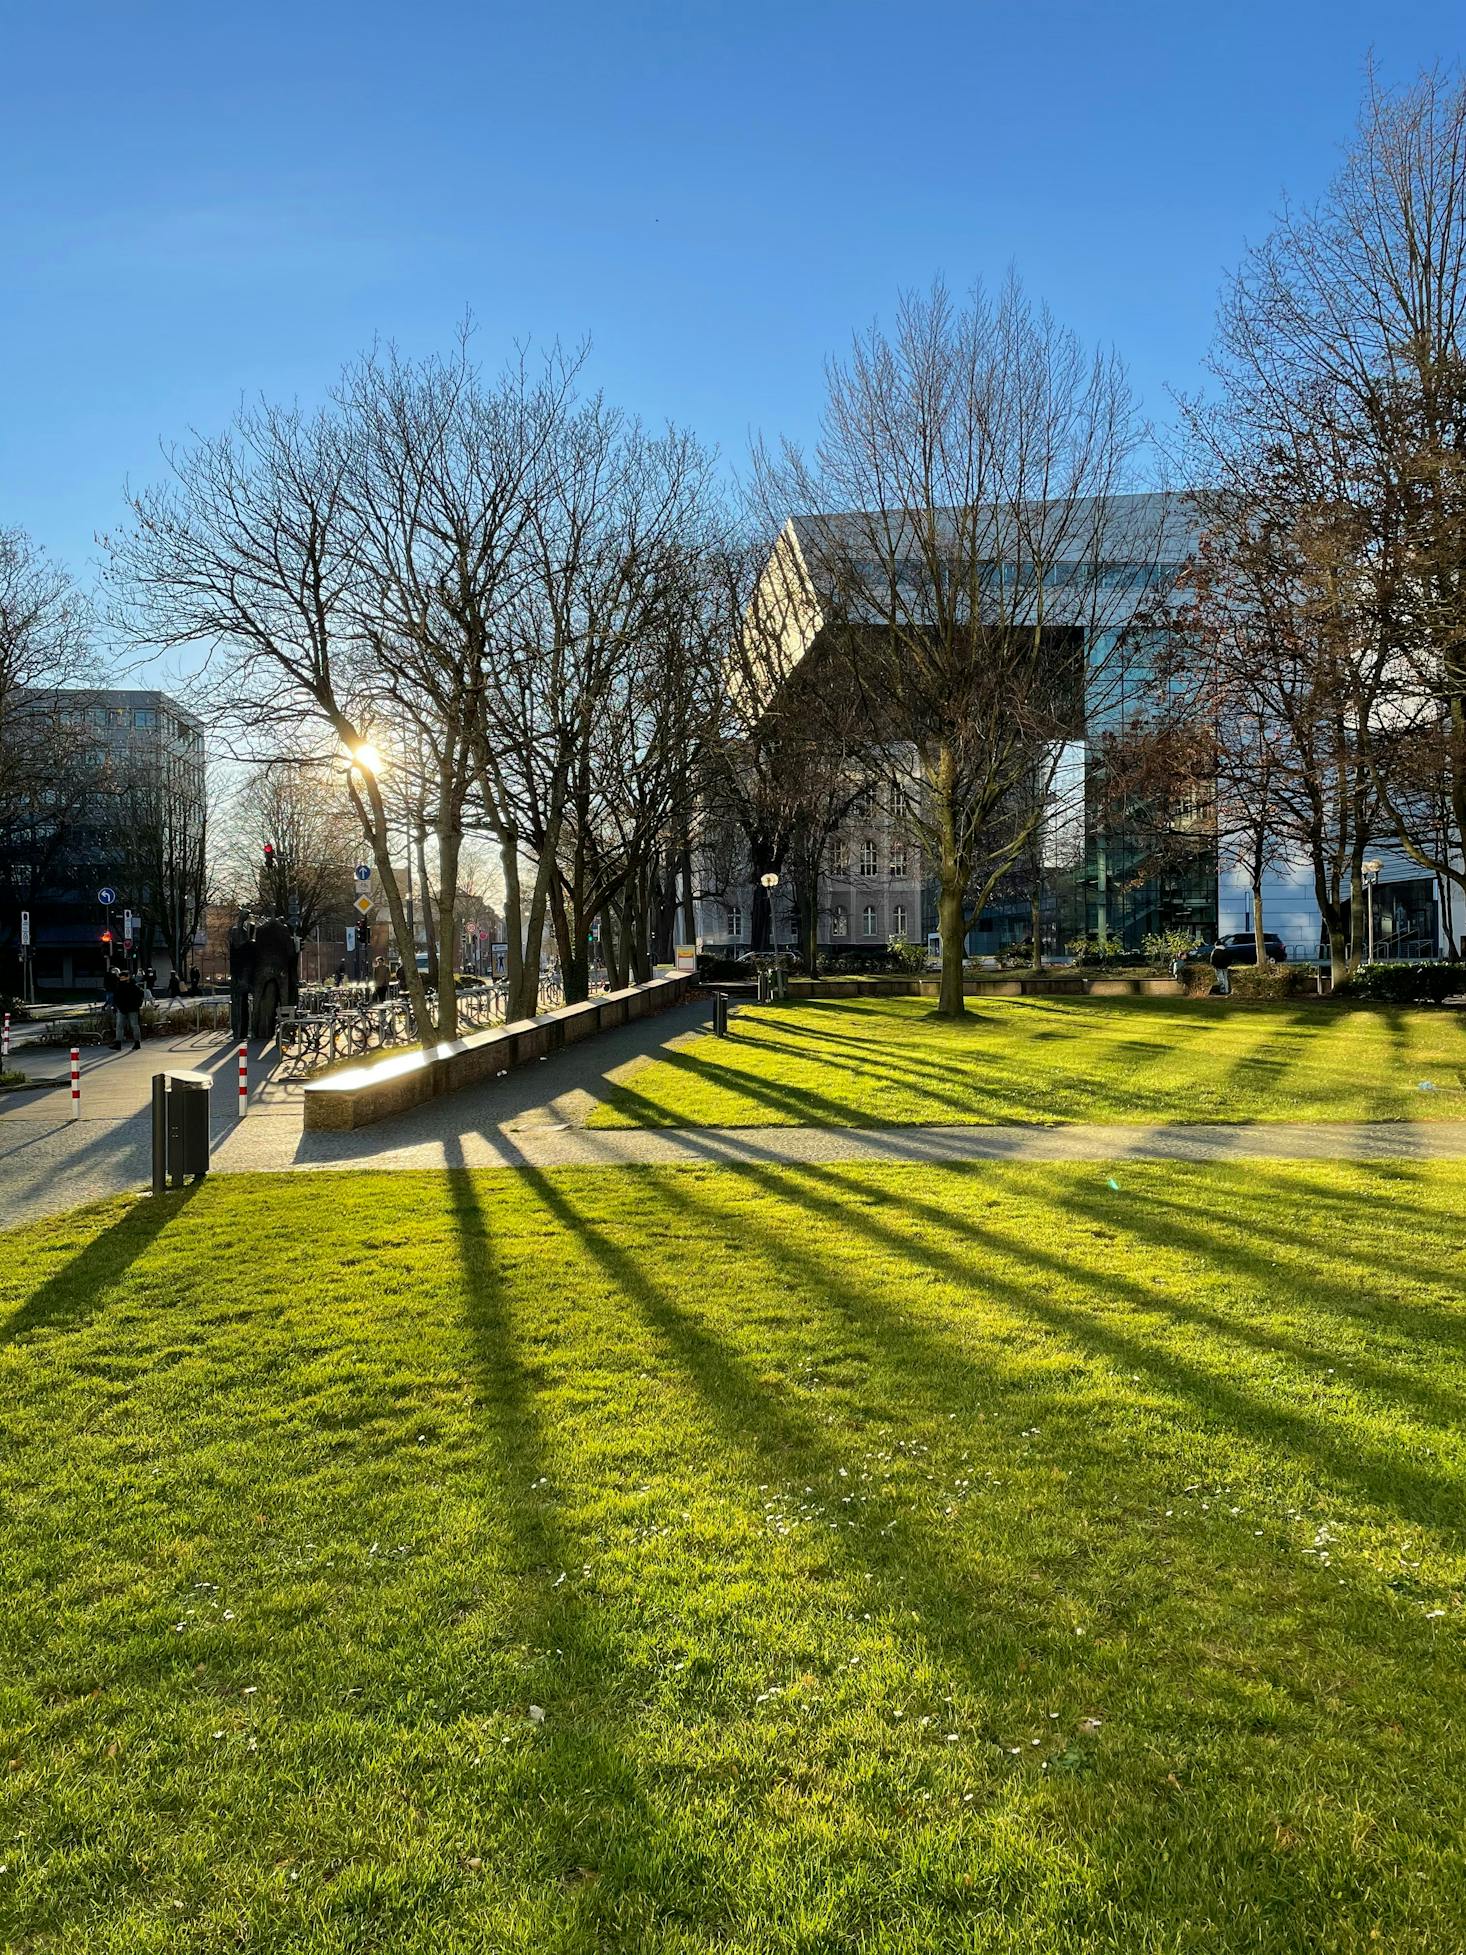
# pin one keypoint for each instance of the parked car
(1241, 948)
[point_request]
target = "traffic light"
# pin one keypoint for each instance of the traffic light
(269, 855)
(106, 936)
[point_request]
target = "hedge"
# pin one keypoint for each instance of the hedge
(1273, 981)
(1404, 984)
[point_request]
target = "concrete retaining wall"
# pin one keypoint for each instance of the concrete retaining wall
(362, 1094)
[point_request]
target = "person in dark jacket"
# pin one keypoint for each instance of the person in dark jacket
(380, 977)
(129, 1001)
(175, 989)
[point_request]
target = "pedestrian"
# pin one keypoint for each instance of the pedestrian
(129, 1001)
(380, 977)
(150, 982)
(175, 989)
(341, 974)
(195, 982)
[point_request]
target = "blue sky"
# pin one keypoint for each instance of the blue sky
(204, 201)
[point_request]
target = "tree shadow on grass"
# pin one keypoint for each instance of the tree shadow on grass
(968, 1104)
(1173, 1225)
(588, 1856)
(985, 1607)
(1355, 1301)
(1445, 1407)
(961, 1623)
(797, 1105)
(986, 1619)
(79, 1289)
(1392, 1484)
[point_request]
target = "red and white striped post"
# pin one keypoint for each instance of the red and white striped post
(5, 1038)
(243, 1080)
(76, 1082)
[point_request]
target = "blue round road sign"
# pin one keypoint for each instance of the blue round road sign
(363, 872)
(105, 896)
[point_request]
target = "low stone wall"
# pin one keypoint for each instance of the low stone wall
(362, 1094)
(1002, 984)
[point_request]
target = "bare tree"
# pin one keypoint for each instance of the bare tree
(1344, 340)
(160, 817)
(794, 742)
(969, 563)
(580, 756)
(300, 810)
(45, 649)
(347, 569)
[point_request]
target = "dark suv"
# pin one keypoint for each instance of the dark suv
(1241, 948)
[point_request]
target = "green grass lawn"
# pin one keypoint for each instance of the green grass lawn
(874, 1062)
(909, 1559)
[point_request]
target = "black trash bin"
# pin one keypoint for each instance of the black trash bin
(180, 1128)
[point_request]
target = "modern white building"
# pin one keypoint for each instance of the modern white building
(874, 884)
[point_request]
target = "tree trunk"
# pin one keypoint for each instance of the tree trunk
(638, 963)
(951, 889)
(611, 951)
(951, 920)
(445, 933)
(524, 932)
(1257, 930)
(1035, 925)
(429, 929)
(689, 912)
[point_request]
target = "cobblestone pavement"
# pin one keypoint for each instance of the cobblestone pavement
(536, 1117)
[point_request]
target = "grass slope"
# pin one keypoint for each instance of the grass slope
(890, 1062)
(955, 1558)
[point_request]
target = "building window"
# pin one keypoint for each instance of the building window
(736, 918)
(865, 801)
(838, 927)
(867, 857)
(898, 858)
(839, 857)
(898, 920)
(144, 716)
(870, 919)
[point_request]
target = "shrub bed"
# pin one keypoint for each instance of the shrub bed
(1273, 981)
(1404, 984)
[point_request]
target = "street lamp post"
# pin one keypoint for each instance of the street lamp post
(1370, 872)
(365, 759)
(771, 882)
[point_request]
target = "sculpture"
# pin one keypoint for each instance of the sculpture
(264, 974)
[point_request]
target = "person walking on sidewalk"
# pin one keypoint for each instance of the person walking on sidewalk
(380, 976)
(128, 998)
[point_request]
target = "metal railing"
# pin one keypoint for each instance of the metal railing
(335, 1023)
(169, 1016)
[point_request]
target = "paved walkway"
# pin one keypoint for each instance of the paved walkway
(536, 1117)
